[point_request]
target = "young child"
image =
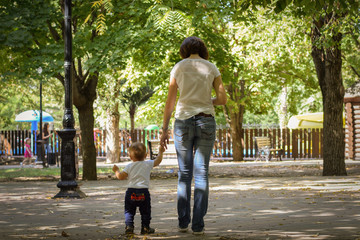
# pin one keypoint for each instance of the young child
(28, 153)
(137, 193)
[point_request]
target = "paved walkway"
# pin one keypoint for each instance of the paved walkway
(284, 207)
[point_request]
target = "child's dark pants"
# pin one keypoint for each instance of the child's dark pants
(134, 198)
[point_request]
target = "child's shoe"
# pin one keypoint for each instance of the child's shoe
(183, 230)
(147, 230)
(201, 232)
(129, 230)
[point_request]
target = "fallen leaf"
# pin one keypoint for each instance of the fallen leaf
(64, 234)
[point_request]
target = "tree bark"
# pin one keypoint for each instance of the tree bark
(112, 135)
(84, 94)
(132, 110)
(328, 65)
(236, 130)
(235, 115)
(282, 112)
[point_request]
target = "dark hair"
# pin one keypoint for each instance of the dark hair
(139, 150)
(193, 45)
(45, 129)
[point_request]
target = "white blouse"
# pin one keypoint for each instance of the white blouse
(194, 78)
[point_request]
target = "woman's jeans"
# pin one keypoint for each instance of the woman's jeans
(194, 141)
(47, 147)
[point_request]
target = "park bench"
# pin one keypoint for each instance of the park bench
(264, 149)
(154, 148)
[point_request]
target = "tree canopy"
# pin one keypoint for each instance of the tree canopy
(267, 52)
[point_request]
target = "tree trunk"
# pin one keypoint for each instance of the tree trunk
(235, 115)
(132, 110)
(236, 136)
(84, 94)
(86, 119)
(282, 112)
(328, 68)
(112, 135)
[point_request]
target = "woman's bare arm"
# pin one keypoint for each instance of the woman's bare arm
(221, 97)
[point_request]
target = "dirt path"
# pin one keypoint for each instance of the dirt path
(298, 207)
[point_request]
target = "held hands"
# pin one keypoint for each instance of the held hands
(164, 139)
(161, 149)
(159, 157)
(115, 168)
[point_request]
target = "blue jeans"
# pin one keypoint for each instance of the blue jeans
(194, 141)
(47, 148)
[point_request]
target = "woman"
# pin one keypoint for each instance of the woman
(194, 128)
(46, 136)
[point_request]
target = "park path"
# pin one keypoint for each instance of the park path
(240, 207)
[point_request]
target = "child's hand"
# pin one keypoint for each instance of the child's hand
(115, 168)
(161, 149)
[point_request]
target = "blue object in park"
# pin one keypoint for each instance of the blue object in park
(33, 116)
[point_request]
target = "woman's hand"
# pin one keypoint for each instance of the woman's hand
(161, 149)
(164, 139)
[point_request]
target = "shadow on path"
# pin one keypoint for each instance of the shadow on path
(239, 208)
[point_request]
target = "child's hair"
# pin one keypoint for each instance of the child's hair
(138, 150)
(26, 139)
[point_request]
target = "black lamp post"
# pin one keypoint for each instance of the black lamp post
(68, 185)
(40, 142)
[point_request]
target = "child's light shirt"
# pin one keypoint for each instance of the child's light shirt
(139, 173)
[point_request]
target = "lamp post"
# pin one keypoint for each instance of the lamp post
(67, 184)
(40, 140)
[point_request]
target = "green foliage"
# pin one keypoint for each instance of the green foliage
(102, 7)
(351, 50)
(265, 48)
(135, 98)
(167, 21)
(23, 32)
(272, 52)
(291, 65)
(133, 95)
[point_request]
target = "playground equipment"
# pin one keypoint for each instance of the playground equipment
(33, 116)
(309, 120)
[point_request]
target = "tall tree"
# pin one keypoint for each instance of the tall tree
(33, 33)
(132, 98)
(36, 31)
(252, 66)
(108, 101)
(328, 64)
(255, 60)
(327, 20)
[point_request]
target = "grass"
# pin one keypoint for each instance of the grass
(41, 172)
